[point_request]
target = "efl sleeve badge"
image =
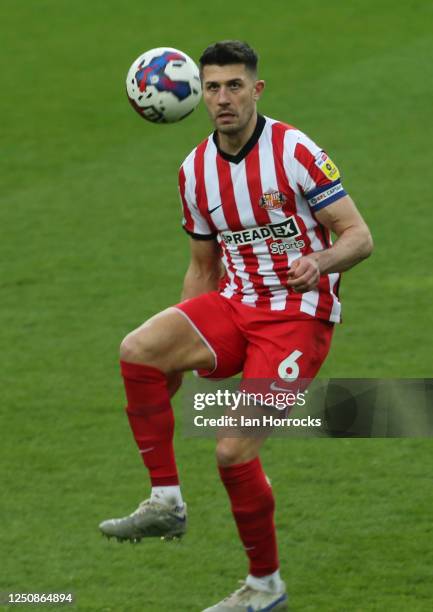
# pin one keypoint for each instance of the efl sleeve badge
(327, 166)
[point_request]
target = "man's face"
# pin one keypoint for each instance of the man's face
(230, 94)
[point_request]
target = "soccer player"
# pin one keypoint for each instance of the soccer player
(262, 198)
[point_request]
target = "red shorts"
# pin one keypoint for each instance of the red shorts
(261, 343)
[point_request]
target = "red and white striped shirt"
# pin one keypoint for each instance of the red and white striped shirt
(260, 205)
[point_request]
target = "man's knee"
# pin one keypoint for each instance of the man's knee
(168, 342)
(138, 347)
(230, 451)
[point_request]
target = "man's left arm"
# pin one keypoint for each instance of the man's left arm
(354, 243)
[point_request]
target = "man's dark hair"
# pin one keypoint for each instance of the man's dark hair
(230, 52)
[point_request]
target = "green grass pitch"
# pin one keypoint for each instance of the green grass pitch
(91, 246)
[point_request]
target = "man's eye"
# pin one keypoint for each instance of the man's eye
(234, 86)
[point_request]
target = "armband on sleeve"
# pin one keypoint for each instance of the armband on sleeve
(325, 195)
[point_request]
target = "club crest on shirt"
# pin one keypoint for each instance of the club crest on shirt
(272, 199)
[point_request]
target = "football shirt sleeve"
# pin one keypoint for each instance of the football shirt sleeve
(317, 175)
(193, 221)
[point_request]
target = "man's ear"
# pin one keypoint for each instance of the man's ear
(258, 89)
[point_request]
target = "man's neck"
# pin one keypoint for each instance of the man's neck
(233, 143)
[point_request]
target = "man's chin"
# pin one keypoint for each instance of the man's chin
(227, 128)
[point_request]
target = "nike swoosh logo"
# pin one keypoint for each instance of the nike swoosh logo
(146, 450)
(213, 209)
(275, 387)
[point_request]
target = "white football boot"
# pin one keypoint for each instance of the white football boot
(248, 599)
(151, 519)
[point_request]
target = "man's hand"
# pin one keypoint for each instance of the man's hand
(353, 244)
(304, 274)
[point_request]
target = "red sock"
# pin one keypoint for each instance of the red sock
(253, 506)
(151, 419)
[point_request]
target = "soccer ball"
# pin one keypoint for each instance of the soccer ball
(163, 85)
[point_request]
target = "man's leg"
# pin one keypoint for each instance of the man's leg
(252, 504)
(295, 348)
(152, 359)
(303, 344)
(252, 501)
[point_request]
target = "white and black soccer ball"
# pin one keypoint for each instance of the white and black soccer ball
(163, 85)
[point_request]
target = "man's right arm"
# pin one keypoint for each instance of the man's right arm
(204, 270)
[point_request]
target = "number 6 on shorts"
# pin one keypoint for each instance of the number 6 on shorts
(288, 368)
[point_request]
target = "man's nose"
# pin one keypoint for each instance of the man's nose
(222, 96)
